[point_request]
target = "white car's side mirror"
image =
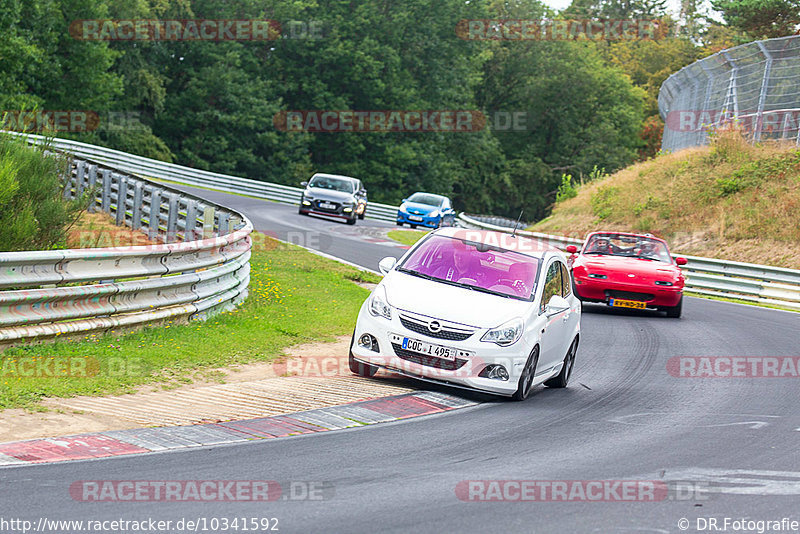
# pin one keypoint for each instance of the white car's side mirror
(387, 264)
(556, 304)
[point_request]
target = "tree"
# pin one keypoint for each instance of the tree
(616, 9)
(761, 18)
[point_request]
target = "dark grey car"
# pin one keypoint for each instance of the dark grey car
(334, 195)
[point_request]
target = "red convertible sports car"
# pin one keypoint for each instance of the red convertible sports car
(628, 271)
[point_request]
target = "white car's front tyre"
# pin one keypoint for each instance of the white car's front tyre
(526, 379)
(562, 379)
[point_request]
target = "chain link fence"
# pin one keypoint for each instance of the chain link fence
(754, 87)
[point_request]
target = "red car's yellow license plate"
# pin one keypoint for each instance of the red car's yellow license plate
(619, 303)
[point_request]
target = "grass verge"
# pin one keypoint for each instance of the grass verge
(295, 297)
(731, 200)
(406, 237)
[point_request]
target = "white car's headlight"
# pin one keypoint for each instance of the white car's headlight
(379, 304)
(434, 213)
(506, 334)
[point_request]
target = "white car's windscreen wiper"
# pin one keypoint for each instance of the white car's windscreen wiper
(416, 273)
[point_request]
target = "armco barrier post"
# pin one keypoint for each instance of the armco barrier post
(191, 220)
(155, 212)
(208, 221)
(122, 198)
(136, 219)
(92, 186)
(172, 216)
(105, 203)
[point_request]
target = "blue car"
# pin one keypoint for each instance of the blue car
(426, 209)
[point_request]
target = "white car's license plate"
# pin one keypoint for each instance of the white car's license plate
(421, 347)
(327, 205)
(414, 218)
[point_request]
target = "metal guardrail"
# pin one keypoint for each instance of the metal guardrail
(159, 170)
(762, 284)
(199, 266)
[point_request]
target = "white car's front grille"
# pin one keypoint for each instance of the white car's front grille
(434, 328)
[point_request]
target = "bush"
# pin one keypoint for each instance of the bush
(566, 189)
(602, 201)
(33, 214)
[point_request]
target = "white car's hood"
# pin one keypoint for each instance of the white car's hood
(450, 303)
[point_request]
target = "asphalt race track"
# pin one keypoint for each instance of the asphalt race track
(725, 447)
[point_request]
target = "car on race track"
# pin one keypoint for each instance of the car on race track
(627, 270)
(426, 209)
(473, 309)
(334, 195)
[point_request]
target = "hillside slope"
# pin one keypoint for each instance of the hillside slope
(730, 200)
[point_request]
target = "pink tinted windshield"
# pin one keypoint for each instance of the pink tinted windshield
(464, 262)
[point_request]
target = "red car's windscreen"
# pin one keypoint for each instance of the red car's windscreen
(627, 245)
(474, 265)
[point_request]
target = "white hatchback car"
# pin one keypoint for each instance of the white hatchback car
(474, 309)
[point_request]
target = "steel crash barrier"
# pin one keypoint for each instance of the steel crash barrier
(199, 265)
(749, 282)
(159, 170)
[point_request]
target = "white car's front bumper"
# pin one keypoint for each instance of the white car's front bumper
(472, 357)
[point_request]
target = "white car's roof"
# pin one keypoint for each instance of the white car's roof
(518, 243)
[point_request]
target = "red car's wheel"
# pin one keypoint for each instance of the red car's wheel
(675, 311)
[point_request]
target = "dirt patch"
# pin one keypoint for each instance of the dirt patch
(311, 376)
(98, 230)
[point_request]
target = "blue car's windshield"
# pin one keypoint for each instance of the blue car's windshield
(426, 198)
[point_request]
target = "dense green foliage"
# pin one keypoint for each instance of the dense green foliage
(32, 213)
(211, 104)
(761, 19)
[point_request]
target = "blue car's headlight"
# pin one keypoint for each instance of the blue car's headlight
(403, 208)
(434, 213)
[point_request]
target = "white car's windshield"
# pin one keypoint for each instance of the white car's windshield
(475, 266)
(629, 246)
(334, 184)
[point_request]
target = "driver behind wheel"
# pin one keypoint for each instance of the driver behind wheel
(600, 245)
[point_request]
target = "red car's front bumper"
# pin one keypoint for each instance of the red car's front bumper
(599, 290)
